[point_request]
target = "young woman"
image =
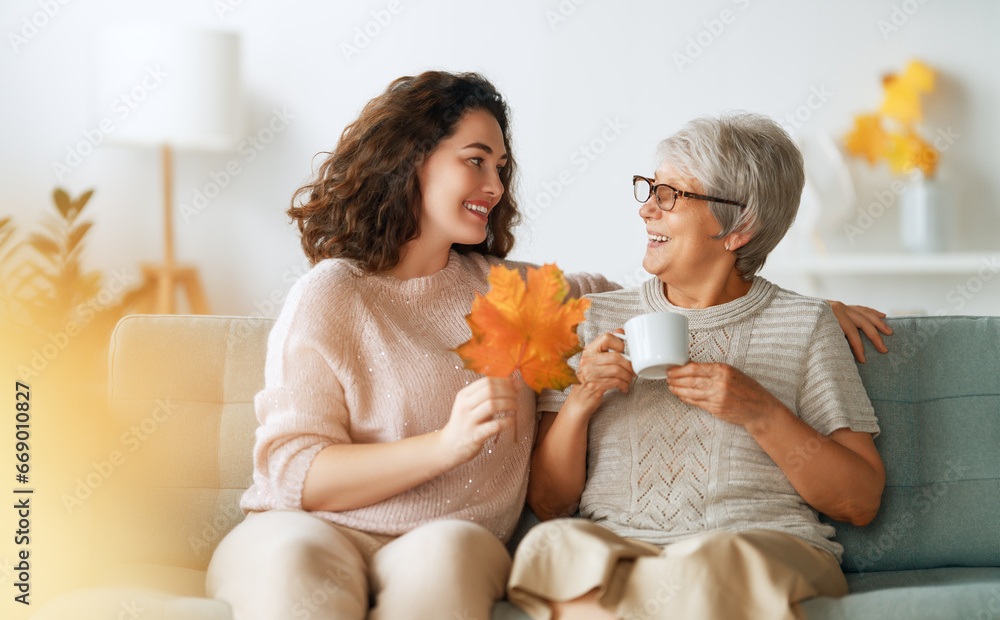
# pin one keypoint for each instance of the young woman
(382, 468)
(384, 472)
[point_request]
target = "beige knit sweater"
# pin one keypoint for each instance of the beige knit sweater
(364, 358)
(661, 470)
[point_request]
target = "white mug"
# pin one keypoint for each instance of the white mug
(656, 341)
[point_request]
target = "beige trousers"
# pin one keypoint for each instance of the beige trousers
(290, 565)
(757, 574)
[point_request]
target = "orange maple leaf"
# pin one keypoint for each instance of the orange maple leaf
(525, 327)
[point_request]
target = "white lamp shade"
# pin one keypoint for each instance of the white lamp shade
(163, 86)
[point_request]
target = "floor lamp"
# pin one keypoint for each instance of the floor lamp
(173, 90)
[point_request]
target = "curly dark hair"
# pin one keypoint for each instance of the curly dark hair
(364, 203)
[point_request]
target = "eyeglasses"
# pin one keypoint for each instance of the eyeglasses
(666, 196)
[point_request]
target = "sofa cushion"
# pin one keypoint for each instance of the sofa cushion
(505, 610)
(182, 582)
(181, 400)
(109, 603)
(953, 575)
(965, 593)
(937, 398)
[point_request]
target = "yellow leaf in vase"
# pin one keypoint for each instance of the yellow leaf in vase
(919, 76)
(529, 328)
(901, 102)
(868, 139)
(902, 93)
(909, 151)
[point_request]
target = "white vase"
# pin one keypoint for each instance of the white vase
(926, 216)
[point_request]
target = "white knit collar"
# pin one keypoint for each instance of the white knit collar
(654, 299)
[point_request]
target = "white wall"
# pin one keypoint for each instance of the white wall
(604, 69)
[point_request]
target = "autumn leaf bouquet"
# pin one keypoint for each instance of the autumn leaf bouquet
(891, 133)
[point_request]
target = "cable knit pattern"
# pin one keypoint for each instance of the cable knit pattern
(364, 358)
(660, 470)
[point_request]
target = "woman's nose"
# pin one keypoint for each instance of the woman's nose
(649, 209)
(493, 185)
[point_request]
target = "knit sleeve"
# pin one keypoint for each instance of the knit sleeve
(302, 408)
(832, 395)
(581, 284)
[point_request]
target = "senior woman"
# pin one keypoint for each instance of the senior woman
(702, 491)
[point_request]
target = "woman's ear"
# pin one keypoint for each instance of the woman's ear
(420, 158)
(736, 240)
(418, 166)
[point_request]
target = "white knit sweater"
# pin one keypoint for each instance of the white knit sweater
(660, 470)
(364, 358)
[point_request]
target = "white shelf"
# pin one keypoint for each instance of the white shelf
(885, 264)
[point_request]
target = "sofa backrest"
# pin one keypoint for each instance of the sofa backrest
(937, 398)
(181, 392)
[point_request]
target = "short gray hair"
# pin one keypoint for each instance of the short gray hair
(748, 158)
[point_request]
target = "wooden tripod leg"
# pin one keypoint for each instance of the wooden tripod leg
(146, 304)
(195, 293)
(165, 301)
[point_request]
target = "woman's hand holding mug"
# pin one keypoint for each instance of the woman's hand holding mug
(657, 341)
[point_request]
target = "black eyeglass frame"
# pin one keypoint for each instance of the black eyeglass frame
(677, 193)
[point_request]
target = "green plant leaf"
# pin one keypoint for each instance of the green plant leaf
(63, 202)
(81, 202)
(45, 246)
(55, 227)
(76, 235)
(44, 284)
(78, 205)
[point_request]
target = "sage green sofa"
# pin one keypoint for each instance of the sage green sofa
(932, 552)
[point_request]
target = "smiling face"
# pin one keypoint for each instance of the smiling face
(680, 249)
(460, 183)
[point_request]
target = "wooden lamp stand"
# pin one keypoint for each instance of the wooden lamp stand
(166, 277)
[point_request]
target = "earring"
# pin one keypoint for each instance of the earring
(727, 247)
